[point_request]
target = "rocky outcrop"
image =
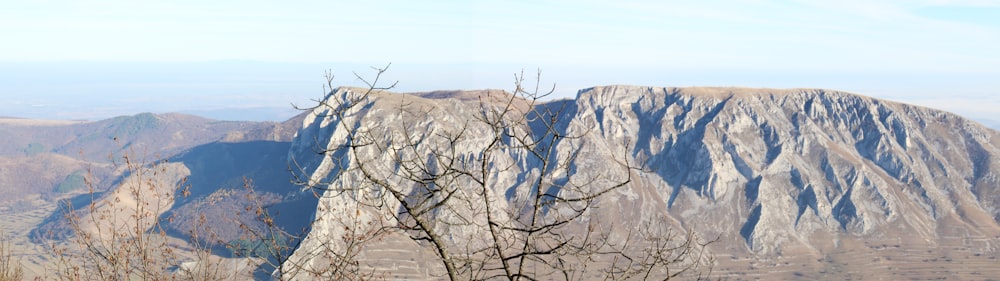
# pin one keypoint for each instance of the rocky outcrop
(781, 165)
(771, 172)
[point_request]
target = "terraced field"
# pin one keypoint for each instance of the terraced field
(401, 259)
(953, 258)
(17, 224)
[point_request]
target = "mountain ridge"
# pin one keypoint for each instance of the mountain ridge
(794, 182)
(808, 172)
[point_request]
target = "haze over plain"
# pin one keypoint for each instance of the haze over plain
(250, 59)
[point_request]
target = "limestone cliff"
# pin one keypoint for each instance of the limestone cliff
(774, 173)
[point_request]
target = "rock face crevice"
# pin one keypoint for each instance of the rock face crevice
(770, 171)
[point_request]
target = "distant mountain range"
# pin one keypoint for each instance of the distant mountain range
(52, 150)
(797, 183)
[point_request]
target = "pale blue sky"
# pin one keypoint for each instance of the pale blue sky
(94, 59)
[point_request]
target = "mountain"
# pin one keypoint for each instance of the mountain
(167, 133)
(54, 151)
(796, 183)
(46, 162)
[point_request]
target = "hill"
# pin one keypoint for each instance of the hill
(43, 162)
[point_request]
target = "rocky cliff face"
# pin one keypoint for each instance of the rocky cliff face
(779, 166)
(796, 173)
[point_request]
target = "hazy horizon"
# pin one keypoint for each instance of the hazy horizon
(252, 59)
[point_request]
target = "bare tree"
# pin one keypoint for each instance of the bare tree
(119, 234)
(490, 186)
(10, 268)
(272, 244)
(495, 195)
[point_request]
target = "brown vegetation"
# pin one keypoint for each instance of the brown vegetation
(119, 235)
(10, 267)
